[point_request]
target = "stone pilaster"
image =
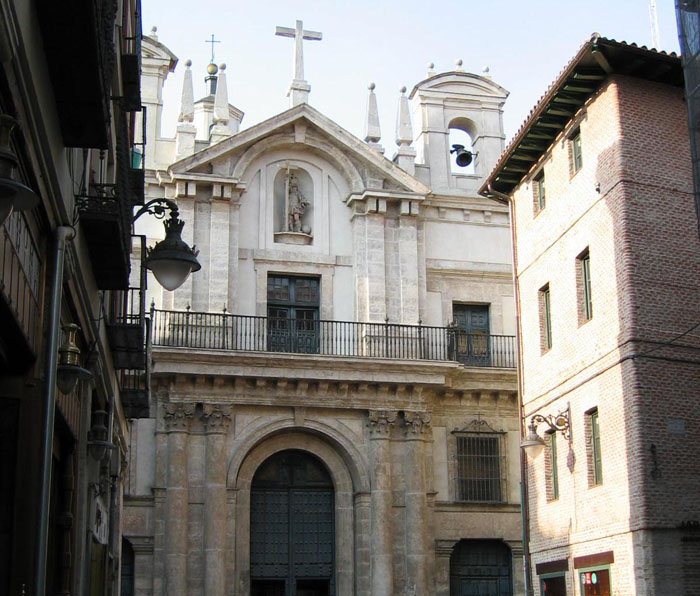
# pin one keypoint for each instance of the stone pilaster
(443, 552)
(416, 426)
(182, 297)
(233, 236)
(219, 255)
(363, 521)
(200, 281)
(177, 424)
(382, 569)
(408, 269)
(217, 420)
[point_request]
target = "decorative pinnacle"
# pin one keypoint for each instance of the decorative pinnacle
(402, 90)
(431, 69)
(222, 67)
(188, 63)
(371, 86)
(372, 130)
(486, 70)
(459, 63)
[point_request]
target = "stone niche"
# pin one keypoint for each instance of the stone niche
(293, 206)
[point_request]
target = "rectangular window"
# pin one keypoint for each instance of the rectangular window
(480, 467)
(595, 582)
(538, 189)
(471, 334)
(583, 283)
(292, 310)
(545, 318)
(595, 467)
(553, 585)
(576, 153)
(552, 471)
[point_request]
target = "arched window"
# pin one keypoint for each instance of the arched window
(462, 132)
(481, 567)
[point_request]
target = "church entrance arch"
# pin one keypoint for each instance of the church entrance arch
(292, 534)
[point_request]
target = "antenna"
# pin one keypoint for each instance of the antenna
(654, 25)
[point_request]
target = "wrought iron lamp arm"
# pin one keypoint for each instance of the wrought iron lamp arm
(560, 422)
(157, 207)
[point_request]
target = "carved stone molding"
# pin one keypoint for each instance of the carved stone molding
(416, 422)
(381, 422)
(177, 417)
(444, 548)
(216, 418)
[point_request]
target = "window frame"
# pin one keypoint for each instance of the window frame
(576, 148)
(539, 191)
(583, 570)
(546, 576)
(553, 467)
(595, 458)
(584, 286)
(545, 307)
(479, 429)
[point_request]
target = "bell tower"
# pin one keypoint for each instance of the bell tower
(458, 100)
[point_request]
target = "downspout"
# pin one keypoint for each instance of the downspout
(524, 493)
(63, 235)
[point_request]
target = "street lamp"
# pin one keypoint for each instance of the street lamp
(14, 196)
(171, 259)
(533, 443)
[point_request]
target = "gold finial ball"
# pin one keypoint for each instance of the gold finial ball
(222, 66)
(212, 69)
(188, 63)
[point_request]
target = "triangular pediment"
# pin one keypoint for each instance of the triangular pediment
(302, 125)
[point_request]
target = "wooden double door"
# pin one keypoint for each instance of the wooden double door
(292, 538)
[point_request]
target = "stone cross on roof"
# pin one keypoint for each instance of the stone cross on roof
(299, 89)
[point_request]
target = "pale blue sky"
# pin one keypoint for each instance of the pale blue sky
(390, 42)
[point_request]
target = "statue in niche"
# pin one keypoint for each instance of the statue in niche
(296, 204)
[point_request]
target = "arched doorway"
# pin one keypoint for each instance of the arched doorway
(480, 568)
(291, 527)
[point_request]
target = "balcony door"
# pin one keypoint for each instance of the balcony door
(472, 334)
(292, 310)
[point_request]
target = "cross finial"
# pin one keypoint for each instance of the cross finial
(299, 89)
(212, 41)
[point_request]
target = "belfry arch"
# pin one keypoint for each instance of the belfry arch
(350, 507)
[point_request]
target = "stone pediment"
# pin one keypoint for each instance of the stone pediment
(460, 83)
(303, 127)
(152, 49)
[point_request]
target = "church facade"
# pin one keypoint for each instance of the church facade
(333, 396)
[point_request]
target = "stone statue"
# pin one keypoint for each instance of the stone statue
(296, 203)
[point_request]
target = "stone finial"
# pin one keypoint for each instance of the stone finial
(220, 130)
(372, 130)
(381, 422)
(486, 71)
(458, 65)
(177, 417)
(431, 69)
(404, 131)
(221, 98)
(154, 31)
(187, 103)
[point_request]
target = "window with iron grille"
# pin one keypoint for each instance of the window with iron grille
(480, 467)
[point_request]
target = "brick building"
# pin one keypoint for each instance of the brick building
(607, 265)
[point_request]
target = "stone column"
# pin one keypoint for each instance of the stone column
(382, 569)
(415, 425)
(177, 423)
(217, 420)
(363, 541)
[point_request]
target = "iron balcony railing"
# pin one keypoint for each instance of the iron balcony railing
(224, 331)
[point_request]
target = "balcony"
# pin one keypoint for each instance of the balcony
(240, 333)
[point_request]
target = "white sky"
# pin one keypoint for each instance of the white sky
(390, 42)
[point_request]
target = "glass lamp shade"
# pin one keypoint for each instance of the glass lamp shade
(68, 375)
(533, 443)
(170, 273)
(15, 196)
(171, 259)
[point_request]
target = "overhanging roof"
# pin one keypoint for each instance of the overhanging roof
(597, 58)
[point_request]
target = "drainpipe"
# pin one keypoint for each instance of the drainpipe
(63, 235)
(524, 493)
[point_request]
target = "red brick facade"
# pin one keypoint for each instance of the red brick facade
(636, 360)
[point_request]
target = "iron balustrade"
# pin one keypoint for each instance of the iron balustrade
(224, 331)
